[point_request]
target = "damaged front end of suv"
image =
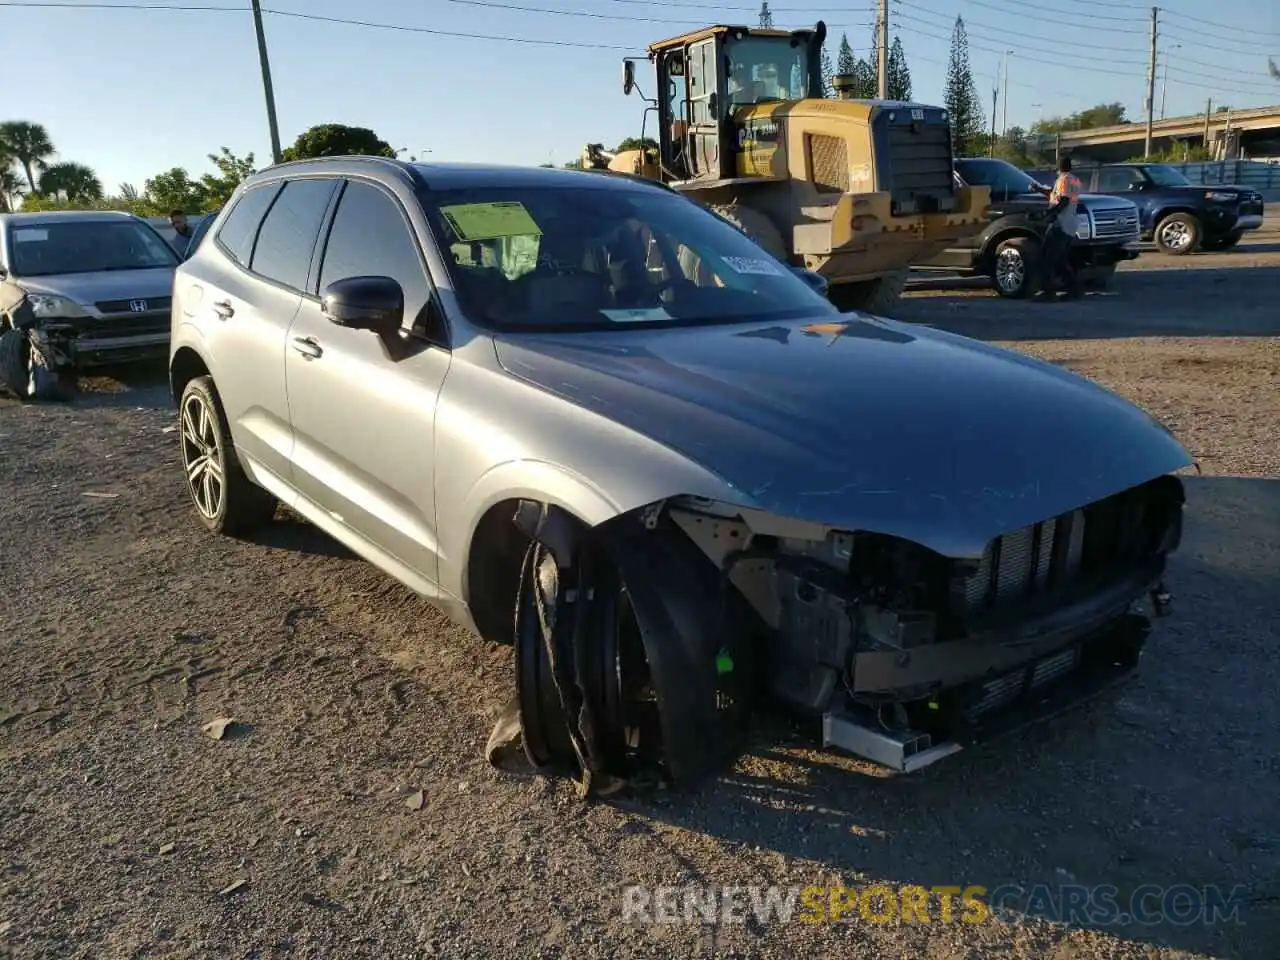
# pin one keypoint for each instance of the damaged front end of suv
(643, 643)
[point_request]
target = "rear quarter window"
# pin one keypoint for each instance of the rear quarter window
(239, 231)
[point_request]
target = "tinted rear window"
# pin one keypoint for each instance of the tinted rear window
(288, 235)
(239, 230)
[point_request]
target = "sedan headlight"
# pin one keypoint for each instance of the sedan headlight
(49, 305)
(1217, 197)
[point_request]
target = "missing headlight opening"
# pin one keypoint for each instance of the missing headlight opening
(643, 644)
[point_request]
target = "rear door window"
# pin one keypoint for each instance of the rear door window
(288, 235)
(240, 229)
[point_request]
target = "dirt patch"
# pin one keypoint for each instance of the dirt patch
(352, 814)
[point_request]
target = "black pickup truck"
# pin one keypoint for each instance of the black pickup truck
(1180, 216)
(1008, 250)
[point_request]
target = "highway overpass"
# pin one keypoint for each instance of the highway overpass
(1258, 130)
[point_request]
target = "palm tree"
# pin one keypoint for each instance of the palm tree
(29, 144)
(11, 188)
(74, 181)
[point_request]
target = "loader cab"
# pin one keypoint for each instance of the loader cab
(707, 77)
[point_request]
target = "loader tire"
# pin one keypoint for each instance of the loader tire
(15, 363)
(753, 223)
(879, 297)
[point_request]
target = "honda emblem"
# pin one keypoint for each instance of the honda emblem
(138, 306)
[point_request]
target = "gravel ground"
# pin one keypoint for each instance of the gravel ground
(130, 832)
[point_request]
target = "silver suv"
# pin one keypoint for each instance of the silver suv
(586, 415)
(79, 289)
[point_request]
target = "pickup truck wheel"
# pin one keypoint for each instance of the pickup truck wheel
(1013, 268)
(1178, 234)
(226, 500)
(15, 364)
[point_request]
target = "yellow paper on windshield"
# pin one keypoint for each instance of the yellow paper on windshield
(490, 221)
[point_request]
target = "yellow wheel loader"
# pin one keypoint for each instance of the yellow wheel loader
(853, 190)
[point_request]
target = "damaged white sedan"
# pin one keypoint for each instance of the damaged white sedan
(587, 416)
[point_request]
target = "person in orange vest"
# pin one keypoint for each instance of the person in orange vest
(1064, 218)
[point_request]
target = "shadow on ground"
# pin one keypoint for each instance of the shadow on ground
(1164, 784)
(140, 384)
(1175, 302)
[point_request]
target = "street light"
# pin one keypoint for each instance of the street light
(1164, 84)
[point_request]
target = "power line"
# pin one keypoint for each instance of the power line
(1218, 23)
(520, 8)
(1011, 33)
(1199, 41)
(1051, 12)
(1033, 48)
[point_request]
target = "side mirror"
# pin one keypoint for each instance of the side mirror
(365, 303)
(816, 281)
(628, 77)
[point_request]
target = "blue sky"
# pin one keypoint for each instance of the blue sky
(134, 92)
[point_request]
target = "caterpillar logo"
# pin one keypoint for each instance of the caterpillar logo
(758, 131)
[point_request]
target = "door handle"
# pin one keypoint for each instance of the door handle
(307, 347)
(224, 309)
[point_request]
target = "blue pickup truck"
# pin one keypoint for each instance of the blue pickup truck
(1180, 216)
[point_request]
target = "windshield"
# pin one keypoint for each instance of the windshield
(1163, 176)
(85, 246)
(766, 68)
(555, 258)
(1004, 179)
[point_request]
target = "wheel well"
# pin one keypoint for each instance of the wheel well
(1160, 215)
(493, 571)
(185, 367)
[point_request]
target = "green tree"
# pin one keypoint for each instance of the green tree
(963, 104)
(73, 182)
(828, 90)
(636, 143)
(174, 190)
(232, 170)
(846, 62)
(337, 140)
(29, 144)
(899, 72)
(766, 15)
(1099, 115)
(11, 189)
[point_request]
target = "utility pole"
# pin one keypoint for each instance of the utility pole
(1208, 111)
(995, 94)
(882, 50)
(266, 81)
(1004, 87)
(1151, 82)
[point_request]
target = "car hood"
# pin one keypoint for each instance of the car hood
(861, 423)
(90, 288)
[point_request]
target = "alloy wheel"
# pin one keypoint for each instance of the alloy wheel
(1175, 235)
(1011, 271)
(202, 456)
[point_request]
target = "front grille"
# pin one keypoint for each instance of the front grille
(1004, 690)
(828, 163)
(920, 161)
(1102, 538)
(1113, 224)
(125, 306)
(126, 325)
